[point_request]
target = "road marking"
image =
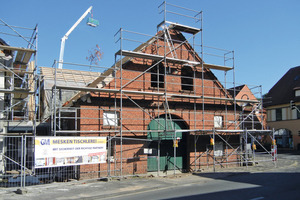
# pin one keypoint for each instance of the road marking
(62, 189)
(257, 198)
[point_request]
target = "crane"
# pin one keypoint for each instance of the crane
(91, 22)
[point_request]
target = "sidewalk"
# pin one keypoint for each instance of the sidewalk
(115, 187)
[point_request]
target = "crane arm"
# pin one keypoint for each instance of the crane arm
(63, 39)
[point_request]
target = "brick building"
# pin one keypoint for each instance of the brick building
(160, 106)
(164, 102)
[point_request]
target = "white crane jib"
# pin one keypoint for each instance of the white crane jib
(63, 39)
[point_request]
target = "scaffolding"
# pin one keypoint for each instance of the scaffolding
(165, 81)
(19, 88)
(19, 82)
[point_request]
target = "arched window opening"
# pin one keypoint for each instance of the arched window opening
(158, 76)
(187, 78)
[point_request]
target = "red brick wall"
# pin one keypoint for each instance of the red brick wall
(134, 161)
(134, 119)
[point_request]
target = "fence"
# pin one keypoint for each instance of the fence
(130, 157)
(17, 162)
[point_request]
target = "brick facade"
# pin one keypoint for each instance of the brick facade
(135, 121)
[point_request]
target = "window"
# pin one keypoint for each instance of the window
(284, 114)
(273, 115)
(187, 81)
(278, 114)
(298, 112)
(110, 118)
(158, 76)
(218, 121)
(245, 96)
(297, 93)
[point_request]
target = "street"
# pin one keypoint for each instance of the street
(281, 183)
(241, 186)
(252, 183)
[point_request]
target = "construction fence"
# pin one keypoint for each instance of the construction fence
(20, 165)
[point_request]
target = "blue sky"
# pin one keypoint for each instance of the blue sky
(264, 34)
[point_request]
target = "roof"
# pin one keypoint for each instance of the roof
(2, 42)
(68, 77)
(107, 76)
(237, 90)
(284, 90)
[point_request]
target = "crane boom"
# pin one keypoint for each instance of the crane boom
(63, 39)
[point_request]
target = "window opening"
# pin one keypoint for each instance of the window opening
(278, 114)
(110, 118)
(218, 121)
(158, 76)
(187, 81)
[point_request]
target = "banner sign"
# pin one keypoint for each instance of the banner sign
(66, 151)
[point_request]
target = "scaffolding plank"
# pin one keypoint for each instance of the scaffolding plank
(139, 55)
(19, 56)
(16, 49)
(23, 55)
(17, 71)
(184, 28)
(27, 57)
(181, 27)
(216, 67)
(155, 57)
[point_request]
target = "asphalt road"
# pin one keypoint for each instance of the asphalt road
(252, 183)
(282, 182)
(252, 186)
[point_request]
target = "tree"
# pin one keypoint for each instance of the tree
(95, 55)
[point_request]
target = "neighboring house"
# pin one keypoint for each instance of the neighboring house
(280, 115)
(251, 115)
(65, 77)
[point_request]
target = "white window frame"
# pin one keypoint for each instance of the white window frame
(110, 118)
(218, 121)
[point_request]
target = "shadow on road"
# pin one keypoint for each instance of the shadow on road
(262, 186)
(288, 152)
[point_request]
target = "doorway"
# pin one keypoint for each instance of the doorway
(162, 145)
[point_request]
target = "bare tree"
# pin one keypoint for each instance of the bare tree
(95, 55)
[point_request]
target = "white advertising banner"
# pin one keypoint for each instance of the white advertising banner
(66, 151)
